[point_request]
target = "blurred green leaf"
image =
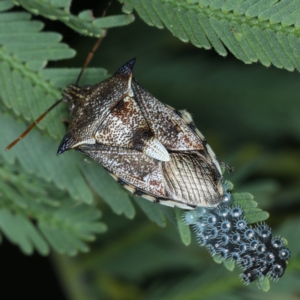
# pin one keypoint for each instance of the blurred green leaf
(183, 228)
(263, 284)
(229, 265)
(153, 212)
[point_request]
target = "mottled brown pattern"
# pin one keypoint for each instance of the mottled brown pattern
(167, 126)
(124, 127)
(133, 167)
(154, 150)
(91, 105)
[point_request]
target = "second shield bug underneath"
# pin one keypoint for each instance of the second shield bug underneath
(150, 148)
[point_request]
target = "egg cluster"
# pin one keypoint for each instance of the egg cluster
(225, 232)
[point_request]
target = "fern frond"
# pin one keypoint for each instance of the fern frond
(28, 198)
(85, 23)
(265, 31)
(21, 63)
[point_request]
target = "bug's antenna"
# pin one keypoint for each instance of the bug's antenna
(91, 55)
(95, 47)
(41, 117)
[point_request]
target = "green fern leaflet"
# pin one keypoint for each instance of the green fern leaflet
(265, 31)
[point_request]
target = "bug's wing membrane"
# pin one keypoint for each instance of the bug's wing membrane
(191, 179)
(178, 180)
(133, 167)
(168, 127)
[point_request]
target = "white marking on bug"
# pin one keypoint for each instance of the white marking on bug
(115, 177)
(175, 204)
(186, 117)
(170, 107)
(88, 141)
(200, 134)
(130, 91)
(130, 188)
(148, 197)
(155, 149)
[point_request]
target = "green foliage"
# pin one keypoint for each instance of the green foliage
(264, 31)
(253, 214)
(63, 223)
(154, 213)
(85, 23)
(50, 202)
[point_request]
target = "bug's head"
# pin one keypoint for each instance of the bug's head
(90, 105)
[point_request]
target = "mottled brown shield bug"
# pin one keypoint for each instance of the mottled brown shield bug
(152, 149)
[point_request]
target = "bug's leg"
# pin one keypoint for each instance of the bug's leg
(229, 168)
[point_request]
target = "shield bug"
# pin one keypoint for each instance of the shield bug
(152, 149)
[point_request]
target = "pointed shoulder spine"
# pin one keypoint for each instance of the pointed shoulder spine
(127, 68)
